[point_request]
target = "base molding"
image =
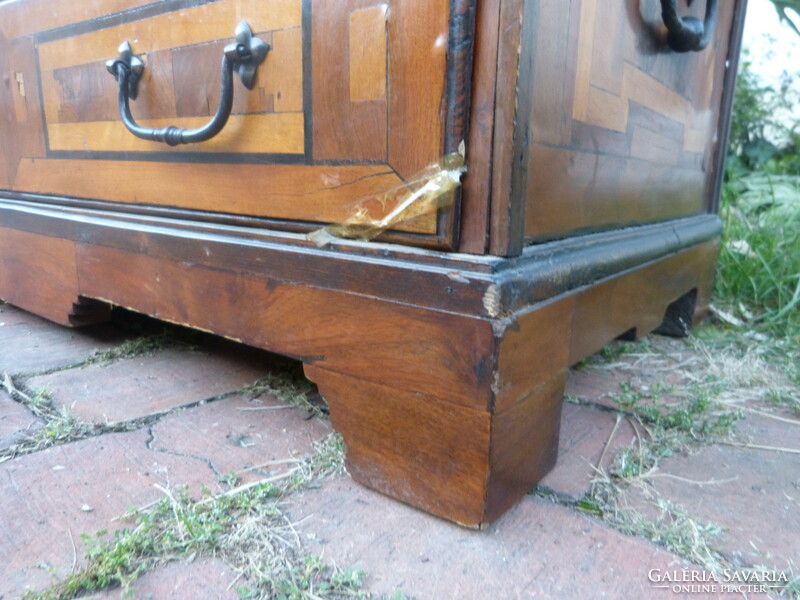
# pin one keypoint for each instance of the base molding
(444, 372)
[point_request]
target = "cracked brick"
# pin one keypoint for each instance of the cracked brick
(141, 386)
(537, 550)
(45, 492)
(17, 423)
(235, 433)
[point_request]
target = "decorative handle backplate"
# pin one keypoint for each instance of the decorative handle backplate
(244, 55)
(688, 34)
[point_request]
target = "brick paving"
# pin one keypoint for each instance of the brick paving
(202, 578)
(584, 431)
(149, 384)
(537, 550)
(16, 422)
(754, 495)
(32, 345)
(174, 417)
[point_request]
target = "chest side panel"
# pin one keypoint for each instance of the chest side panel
(617, 129)
(336, 114)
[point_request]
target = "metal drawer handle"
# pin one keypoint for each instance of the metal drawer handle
(245, 54)
(688, 34)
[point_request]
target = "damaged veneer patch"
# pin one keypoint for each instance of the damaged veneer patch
(424, 194)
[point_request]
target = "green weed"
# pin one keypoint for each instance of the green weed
(689, 411)
(291, 386)
(140, 346)
(398, 595)
(676, 530)
(758, 277)
(244, 526)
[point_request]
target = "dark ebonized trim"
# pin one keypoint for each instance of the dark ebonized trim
(459, 72)
(119, 18)
(183, 157)
(45, 132)
(726, 109)
(454, 283)
(547, 270)
(308, 106)
(366, 269)
(458, 93)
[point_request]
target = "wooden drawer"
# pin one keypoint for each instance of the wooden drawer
(582, 120)
(616, 129)
(348, 104)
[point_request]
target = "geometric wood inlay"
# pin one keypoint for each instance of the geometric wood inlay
(318, 132)
(610, 108)
(213, 21)
(621, 128)
(368, 53)
(180, 85)
(16, 21)
(269, 132)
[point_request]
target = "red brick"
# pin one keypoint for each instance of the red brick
(236, 433)
(595, 385)
(538, 550)
(753, 494)
(146, 385)
(29, 344)
(42, 494)
(17, 423)
(585, 434)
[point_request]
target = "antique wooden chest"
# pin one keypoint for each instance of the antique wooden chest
(172, 157)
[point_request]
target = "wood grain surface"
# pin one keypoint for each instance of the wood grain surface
(289, 192)
(615, 129)
(348, 333)
(367, 37)
(506, 209)
(38, 273)
(21, 119)
(477, 183)
(411, 446)
(174, 29)
(417, 84)
(455, 413)
(16, 17)
(637, 302)
(321, 100)
(347, 128)
(277, 133)
(524, 445)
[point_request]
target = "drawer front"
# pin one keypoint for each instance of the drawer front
(348, 104)
(620, 129)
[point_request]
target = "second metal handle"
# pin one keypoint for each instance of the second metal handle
(688, 34)
(244, 55)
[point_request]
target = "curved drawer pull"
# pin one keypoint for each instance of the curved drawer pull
(245, 54)
(688, 34)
